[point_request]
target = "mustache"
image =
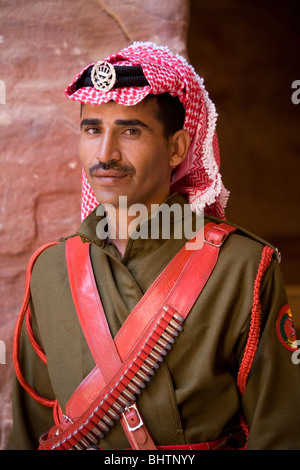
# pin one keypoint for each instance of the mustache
(112, 165)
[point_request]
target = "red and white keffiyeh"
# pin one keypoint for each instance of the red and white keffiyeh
(197, 177)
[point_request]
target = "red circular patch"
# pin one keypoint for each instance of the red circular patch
(285, 328)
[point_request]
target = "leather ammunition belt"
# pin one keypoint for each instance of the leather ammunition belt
(109, 392)
(121, 393)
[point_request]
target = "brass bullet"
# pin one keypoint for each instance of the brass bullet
(160, 350)
(138, 382)
(152, 363)
(108, 420)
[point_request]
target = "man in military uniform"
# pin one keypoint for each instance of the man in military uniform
(143, 342)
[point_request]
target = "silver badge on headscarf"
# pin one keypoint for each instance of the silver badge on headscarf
(103, 76)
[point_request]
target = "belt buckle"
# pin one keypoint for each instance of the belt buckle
(215, 232)
(140, 423)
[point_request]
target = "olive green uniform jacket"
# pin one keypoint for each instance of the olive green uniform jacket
(193, 396)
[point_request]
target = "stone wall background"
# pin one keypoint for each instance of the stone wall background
(43, 44)
(249, 58)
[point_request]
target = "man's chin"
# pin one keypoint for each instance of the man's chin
(108, 198)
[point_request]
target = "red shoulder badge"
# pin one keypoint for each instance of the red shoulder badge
(285, 328)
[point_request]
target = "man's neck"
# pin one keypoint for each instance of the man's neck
(121, 224)
(123, 221)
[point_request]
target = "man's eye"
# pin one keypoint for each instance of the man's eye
(132, 131)
(92, 130)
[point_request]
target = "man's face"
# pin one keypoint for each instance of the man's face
(124, 153)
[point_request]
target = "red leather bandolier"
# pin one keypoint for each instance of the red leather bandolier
(130, 358)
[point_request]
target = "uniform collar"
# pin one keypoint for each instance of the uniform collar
(92, 228)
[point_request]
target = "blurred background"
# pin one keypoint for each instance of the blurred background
(248, 54)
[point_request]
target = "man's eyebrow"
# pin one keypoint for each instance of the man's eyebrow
(118, 122)
(132, 122)
(90, 122)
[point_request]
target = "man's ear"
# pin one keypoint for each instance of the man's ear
(180, 144)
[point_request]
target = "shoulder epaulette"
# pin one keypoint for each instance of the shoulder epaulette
(248, 234)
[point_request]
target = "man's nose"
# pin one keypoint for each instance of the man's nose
(108, 148)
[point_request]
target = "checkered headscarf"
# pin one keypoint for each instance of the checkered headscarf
(198, 176)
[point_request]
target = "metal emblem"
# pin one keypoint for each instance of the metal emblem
(103, 76)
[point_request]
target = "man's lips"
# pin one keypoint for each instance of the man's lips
(108, 177)
(108, 174)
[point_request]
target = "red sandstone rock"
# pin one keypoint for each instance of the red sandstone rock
(42, 46)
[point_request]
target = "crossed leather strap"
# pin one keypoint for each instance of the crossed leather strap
(163, 292)
(176, 289)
